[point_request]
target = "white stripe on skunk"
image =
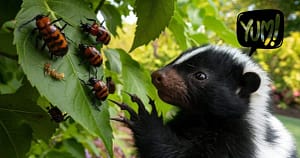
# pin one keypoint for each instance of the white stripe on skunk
(258, 116)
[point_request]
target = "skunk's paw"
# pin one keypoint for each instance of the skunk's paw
(142, 120)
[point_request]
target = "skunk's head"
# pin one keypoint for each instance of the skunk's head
(211, 79)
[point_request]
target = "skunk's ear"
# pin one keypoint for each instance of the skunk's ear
(250, 82)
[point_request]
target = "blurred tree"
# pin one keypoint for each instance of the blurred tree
(290, 8)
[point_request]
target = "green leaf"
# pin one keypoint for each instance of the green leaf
(138, 81)
(194, 16)
(199, 38)
(153, 17)
(6, 40)
(177, 26)
(218, 26)
(112, 18)
(74, 148)
(209, 7)
(15, 135)
(38, 147)
(114, 62)
(27, 110)
(58, 154)
(11, 76)
(124, 7)
(93, 4)
(78, 137)
(69, 94)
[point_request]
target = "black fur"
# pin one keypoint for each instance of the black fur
(271, 135)
(212, 120)
(294, 154)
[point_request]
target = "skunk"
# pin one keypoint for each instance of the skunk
(224, 101)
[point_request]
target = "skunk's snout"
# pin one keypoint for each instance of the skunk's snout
(158, 78)
(167, 79)
(170, 86)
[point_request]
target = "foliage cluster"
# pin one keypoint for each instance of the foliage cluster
(283, 64)
(22, 73)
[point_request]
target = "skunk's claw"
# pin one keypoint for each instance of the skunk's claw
(136, 118)
(136, 99)
(152, 103)
(123, 120)
(123, 106)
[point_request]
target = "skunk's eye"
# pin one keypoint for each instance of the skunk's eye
(200, 76)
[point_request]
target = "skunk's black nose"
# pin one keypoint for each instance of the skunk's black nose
(158, 78)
